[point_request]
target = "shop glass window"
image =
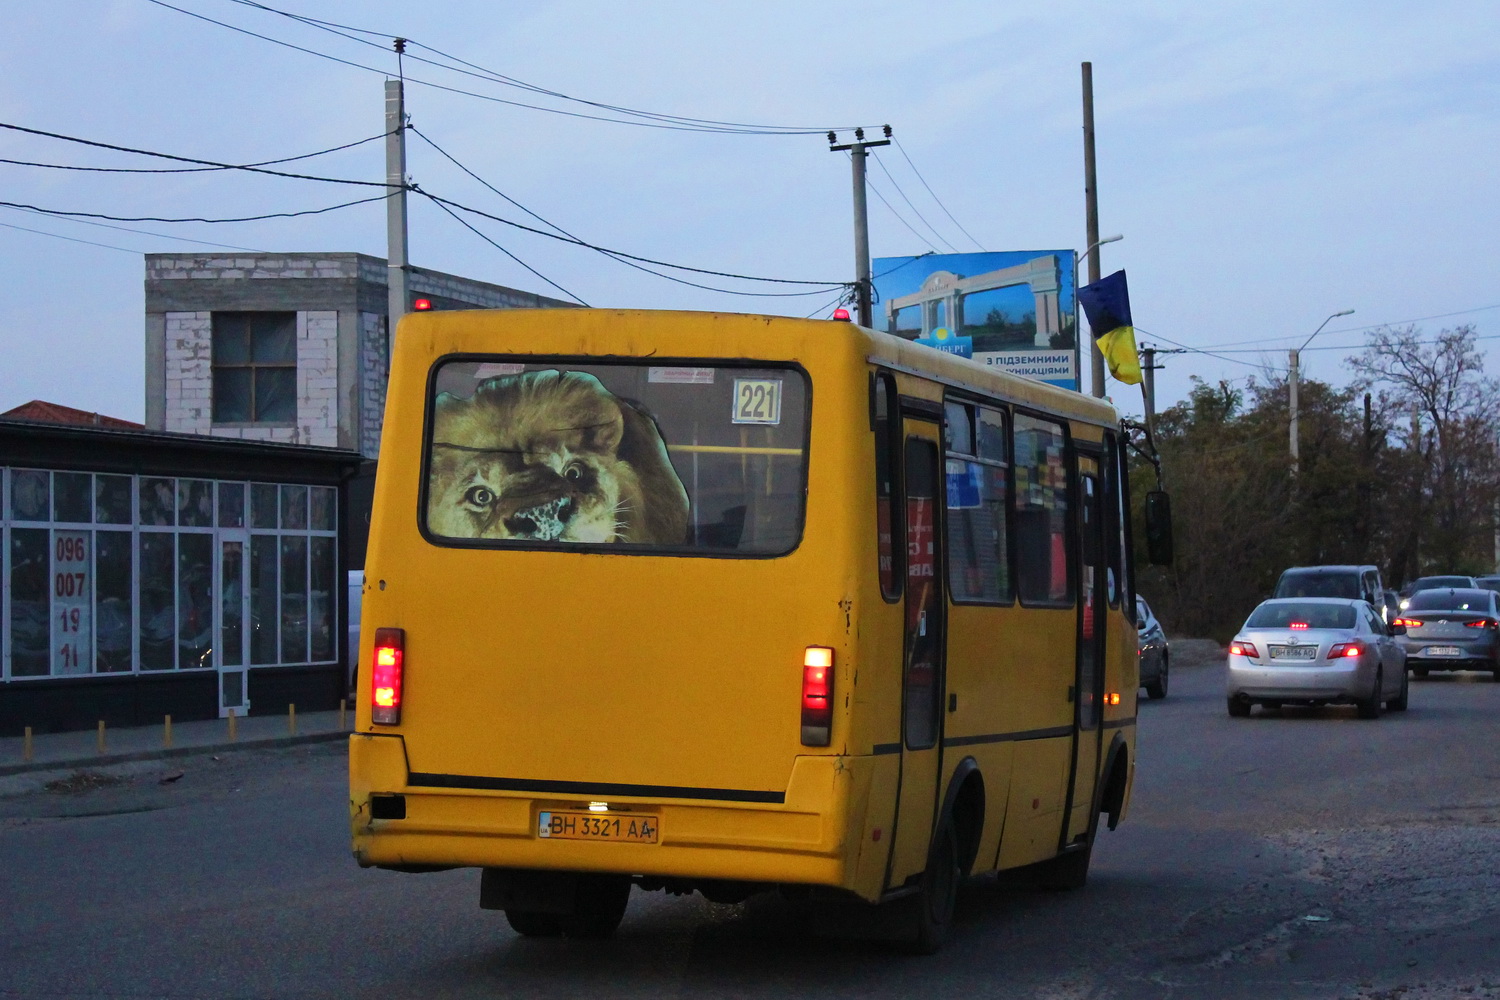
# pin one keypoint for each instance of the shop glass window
(322, 597)
(195, 503)
(324, 512)
(195, 596)
(30, 603)
(72, 499)
(263, 502)
(1041, 506)
(231, 505)
(254, 367)
(30, 494)
(157, 598)
(294, 508)
(112, 499)
(978, 544)
(158, 501)
(264, 621)
(293, 599)
(113, 601)
(72, 616)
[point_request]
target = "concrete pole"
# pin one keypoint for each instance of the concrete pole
(399, 301)
(1148, 370)
(1091, 208)
(864, 295)
(1293, 357)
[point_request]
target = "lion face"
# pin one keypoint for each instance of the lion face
(545, 456)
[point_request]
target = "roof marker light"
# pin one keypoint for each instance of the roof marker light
(841, 314)
(422, 305)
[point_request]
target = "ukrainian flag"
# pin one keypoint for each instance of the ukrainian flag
(1106, 303)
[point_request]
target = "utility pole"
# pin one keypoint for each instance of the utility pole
(1149, 389)
(1091, 208)
(398, 301)
(1294, 356)
(864, 295)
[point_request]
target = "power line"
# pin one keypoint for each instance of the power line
(484, 97)
(169, 170)
(154, 218)
(899, 217)
(70, 239)
(1361, 329)
(497, 246)
(1211, 354)
(147, 232)
(935, 198)
(189, 159)
(491, 76)
(881, 164)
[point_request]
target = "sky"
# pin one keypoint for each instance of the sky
(1268, 164)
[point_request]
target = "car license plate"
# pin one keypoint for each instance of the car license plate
(1293, 652)
(1443, 651)
(630, 828)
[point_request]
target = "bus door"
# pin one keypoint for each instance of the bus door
(1088, 690)
(922, 656)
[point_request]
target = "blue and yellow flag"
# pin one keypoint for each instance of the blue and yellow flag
(1106, 303)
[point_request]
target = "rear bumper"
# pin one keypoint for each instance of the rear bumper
(801, 840)
(1331, 682)
(1473, 654)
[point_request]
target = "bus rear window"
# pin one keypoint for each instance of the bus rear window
(706, 460)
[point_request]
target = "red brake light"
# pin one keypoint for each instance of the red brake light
(386, 675)
(1298, 625)
(1243, 649)
(1408, 623)
(1345, 649)
(817, 696)
(1482, 623)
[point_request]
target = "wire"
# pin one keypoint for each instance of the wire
(465, 223)
(1211, 354)
(483, 97)
(491, 76)
(154, 218)
(902, 150)
(171, 170)
(881, 164)
(899, 217)
(189, 159)
(70, 239)
(147, 232)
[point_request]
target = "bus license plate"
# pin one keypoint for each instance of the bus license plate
(629, 828)
(1443, 651)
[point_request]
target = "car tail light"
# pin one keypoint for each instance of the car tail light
(386, 676)
(1409, 622)
(1238, 648)
(1345, 649)
(1483, 623)
(817, 696)
(1298, 625)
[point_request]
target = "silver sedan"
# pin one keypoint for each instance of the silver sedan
(1317, 651)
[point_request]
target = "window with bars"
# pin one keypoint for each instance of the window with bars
(254, 367)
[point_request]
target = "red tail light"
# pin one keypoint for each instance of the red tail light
(1345, 649)
(1483, 623)
(1238, 648)
(385, 676)
(817, 696)
(1298, 625)
(1409, 622)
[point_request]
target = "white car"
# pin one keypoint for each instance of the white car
(1317, 651)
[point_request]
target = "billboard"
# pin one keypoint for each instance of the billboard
(1011, 309)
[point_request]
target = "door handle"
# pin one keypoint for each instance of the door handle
(952, 703)
(1072, 693)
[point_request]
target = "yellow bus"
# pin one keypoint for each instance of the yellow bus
(727, 603)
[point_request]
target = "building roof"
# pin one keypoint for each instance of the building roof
(55, 413)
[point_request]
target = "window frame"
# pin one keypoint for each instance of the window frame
(245, 316)
(974, 404)
(1070, 490)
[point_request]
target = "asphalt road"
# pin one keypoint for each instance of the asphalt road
(1302, 854)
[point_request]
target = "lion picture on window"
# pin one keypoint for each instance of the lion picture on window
(550, 456)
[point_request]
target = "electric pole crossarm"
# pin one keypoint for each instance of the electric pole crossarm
(864, 292)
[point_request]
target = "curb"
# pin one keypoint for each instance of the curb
(106, 760)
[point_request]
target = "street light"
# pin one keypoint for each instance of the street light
(1096, 359)
(1294, 357)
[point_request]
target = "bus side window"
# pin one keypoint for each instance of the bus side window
(1041, 506)
(978, 532)
(1116, 584)
(885, 422)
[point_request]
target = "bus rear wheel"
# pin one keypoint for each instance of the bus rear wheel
(938, 897)
(530, 923)
(598, 906)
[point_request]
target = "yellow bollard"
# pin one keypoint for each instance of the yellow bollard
(232, 732)
(343, 703)
(26, 752)
(291, 719)
(99, 739)
(166, 733)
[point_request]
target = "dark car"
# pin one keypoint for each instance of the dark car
(1154, 652)
(1433, 583)
(1452, 628)
(1355, 583)
(1488, 583)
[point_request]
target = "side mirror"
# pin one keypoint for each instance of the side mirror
(1140, 623)
(1159, 528)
